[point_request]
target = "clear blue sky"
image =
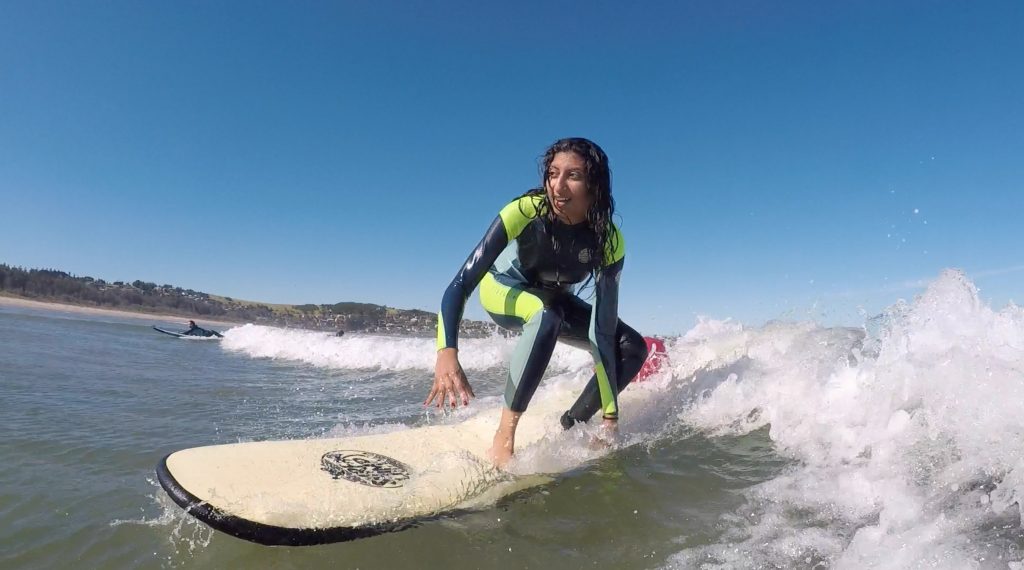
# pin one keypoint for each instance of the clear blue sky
(770, 159)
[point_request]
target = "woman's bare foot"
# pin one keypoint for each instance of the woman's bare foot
(606, 435)
(504, 444)
(501, 450)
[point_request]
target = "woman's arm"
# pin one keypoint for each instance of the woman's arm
(506, 227)
(603, 323)
(453, 303)
(450, 382)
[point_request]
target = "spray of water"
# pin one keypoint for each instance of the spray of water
(906, 439)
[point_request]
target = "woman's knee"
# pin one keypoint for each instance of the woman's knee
(631, 344)
(548, 323)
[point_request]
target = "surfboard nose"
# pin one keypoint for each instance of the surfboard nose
(657, 358)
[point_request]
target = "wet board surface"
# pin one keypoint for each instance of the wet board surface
(303, 492)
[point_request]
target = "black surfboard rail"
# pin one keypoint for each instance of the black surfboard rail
(268, 535)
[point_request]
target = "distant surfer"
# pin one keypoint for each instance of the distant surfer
(564, 236)
(196, 330)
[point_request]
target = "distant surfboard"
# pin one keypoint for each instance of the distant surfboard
(213, 335)
(306, 492)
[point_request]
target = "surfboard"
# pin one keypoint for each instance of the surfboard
(305, 492)
(214, 335)
(172, 333)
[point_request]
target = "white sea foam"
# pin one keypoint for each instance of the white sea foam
(908, 442)
(355, 351)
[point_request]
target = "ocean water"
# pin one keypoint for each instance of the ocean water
(898, 443)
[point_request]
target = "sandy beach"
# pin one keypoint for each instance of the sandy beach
(61, 307)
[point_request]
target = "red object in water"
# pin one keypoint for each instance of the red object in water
(657, 356)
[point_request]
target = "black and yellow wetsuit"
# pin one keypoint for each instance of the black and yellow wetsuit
(526, 265)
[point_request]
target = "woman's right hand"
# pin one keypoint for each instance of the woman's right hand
(450, 383)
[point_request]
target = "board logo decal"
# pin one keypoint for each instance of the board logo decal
(365, 467)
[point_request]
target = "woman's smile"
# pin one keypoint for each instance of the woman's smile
(567, 187)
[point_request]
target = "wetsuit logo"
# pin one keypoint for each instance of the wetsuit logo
(366, 468)
(584, 256)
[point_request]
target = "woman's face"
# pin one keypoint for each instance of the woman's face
(566, 185)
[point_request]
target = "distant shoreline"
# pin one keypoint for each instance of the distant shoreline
(9, 301)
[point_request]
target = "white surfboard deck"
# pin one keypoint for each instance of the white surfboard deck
(316, 491)
(303, 492)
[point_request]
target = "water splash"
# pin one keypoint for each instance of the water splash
(186, 535)
(908, 440)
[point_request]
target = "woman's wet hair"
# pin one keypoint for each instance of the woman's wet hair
(599, 185)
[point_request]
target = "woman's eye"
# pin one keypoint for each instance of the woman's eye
(575, 176)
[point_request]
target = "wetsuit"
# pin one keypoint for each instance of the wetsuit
(526, 265)
(196, 330)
